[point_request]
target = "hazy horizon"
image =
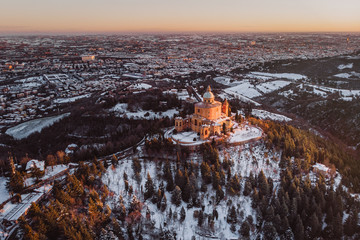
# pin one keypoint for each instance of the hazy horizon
(160, 16)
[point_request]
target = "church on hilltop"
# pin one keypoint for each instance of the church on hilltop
(210, 117)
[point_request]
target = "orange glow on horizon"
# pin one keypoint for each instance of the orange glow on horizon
(181, 16)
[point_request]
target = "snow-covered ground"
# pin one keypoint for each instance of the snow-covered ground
(268, 87)
(141, 114)
(140, 86)
(12, 211)
(245, 133)
(120, 110)
(25, 129)
(182, 94)
(4, 194)
(262, 114)
(342, 75)
(265, 76)
(50, 171)
(188, 137)
(188, 228)
(344, 66)
(246, 90)
(345, 94)
(227, 81)
(72, 99)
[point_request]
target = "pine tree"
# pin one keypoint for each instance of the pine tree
(269, 231)
(232, 218)
(122, 212)
(179, 179)
(205, 172)
(351, 223)
(16, 183)
(245, 229)
(37, 173)
(314, 225)
(299, 229)
(163, 203)
(200, 218)
(182, 214)
(149, 187)
(176, 196)
(337, 226)
(247, 188)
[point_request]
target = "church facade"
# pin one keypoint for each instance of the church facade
(210, 117)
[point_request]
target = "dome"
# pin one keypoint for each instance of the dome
(208, 94)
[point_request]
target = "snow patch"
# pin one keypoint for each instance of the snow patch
(25, 129)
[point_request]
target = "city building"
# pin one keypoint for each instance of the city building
(87, 58)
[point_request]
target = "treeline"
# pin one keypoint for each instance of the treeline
(308, 148)
(298, 209)
(76, 209)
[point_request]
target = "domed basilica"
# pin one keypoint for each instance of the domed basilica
(210, 117)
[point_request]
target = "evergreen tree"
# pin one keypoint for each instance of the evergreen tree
(200, 218)
(37, 173)
(351, 223)
(245, 229)
(232, 218)
(299, 229)
(16, 183)
(337, 226)
(269, 231)
(182, 214)
(149, 187)
(176, 196)
(247, 188)
(314, 225)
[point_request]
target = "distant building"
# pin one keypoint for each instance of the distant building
(210, 117)
(87, 58)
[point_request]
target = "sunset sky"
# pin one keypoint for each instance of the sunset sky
(179, 15)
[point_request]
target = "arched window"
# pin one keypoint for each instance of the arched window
(195, 122)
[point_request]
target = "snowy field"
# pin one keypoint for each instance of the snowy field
(245, 133)
(141, 114)
(187, 229)
(227, 81)
(120, 110)
(12, 211)
(188, 137)
(268, 87)
(245, 90)
(344, 66)
(4, 194)
(140, 86)
(266, 76)
(345, 94)
(181, 94)
(50, 171)
(72, 99)
(25, 129)
(262, 114)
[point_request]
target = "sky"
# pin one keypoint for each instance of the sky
(92, 16)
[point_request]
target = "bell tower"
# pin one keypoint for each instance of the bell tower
(225, 107)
